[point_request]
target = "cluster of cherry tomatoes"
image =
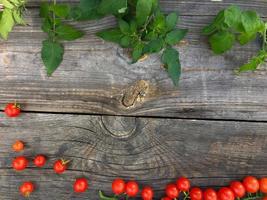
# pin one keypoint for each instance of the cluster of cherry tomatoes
(20, 163)
(249, 189)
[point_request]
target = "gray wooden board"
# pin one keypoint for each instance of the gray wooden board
(95, 75)
(150, 150)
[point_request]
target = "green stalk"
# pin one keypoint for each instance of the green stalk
(54, 21)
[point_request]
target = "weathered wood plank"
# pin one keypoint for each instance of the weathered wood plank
(95, 75)
(194, 7)
(152, 151)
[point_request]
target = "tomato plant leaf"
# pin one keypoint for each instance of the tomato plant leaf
(103, 197)
(52, 55)
(221, 42)
(143, 10)
(170, 58)
(171, 21)
(6, 24)
(61, 10)
(112, 6)
(67, 32)
(111, 35)
(175, 36)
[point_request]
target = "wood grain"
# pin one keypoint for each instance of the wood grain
(95, 75)
(152, 151)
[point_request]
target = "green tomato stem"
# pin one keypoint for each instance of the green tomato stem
(54, 21)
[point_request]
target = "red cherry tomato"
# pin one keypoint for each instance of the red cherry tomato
(39, 160)
(196, 194)
(132, 188)
(60, 166)
(20, 163)
(12, 110)
(238, 189)
(80, 185)
(264, 198)
(263, 185)
(210, 194)
(251, 184)
(166, 198)
(226, 193)
(147, 193)
(26, 189)
(118, 186)
(18, 146)
(183, 184)
(172, 191)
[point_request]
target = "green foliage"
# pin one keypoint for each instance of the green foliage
(144, 29)
(233, 25)
(11, 14)
(57, 31)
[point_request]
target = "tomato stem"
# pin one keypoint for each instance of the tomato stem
(257, 196)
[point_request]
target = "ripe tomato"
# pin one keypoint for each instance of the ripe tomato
(183, 184)
(26, 189)
(166, 198)
(264, 198)
(80, 185)
(147, 193)
(132, 188)
(263, 185)
(226, 193)
(39, 160)
(12, 110)
(251, 184)
(238, 189)
(172, 191)
(210, 194)
(20, 163)
(60, 166)
(196, 194)
(18, 146)
(118, 186)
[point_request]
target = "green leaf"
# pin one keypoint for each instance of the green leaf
(112, 35)
(171, 21)
(61, 10)
(251, 22)
(7, 4)
(6, 24)
(245, 38)
(221, 42)
(175, 36)
(67, 32)
(137, 52)
(18, 18)
(103, 197)
(215, 25)
(52, 55)
(111, 6)
(47, 25)
(159, 24)
(124, 26)
(170, 58)
(254, 63)
(125, 41)
(143, 10)
(232, 17)
(86, 10)
(44, 10)
(154, 46)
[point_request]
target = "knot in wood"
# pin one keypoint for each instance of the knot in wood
(119, 127)
(134, 93)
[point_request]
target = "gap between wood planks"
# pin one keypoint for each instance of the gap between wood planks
(145, 116)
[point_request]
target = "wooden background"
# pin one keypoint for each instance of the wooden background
(113, 119)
